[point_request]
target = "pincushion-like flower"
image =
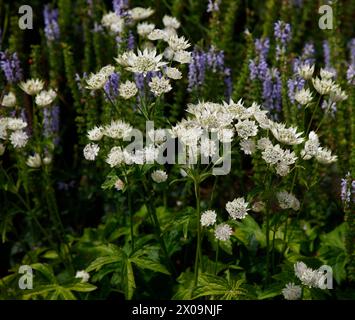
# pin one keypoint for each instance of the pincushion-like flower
(83, 275)
(292, 292)
(208, 218)
(223, 232)
(159, 85)
(139, 13)
(18, 138)
(32, 86)
(45, 98)
(34, 161)
(238, 208)
(9, 100)
(159, 176)
(91, 151)
(128, 89)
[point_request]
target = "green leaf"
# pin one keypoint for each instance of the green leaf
(130, 284)
(99, 262)
(81, 287)
(146, 263)
(46, 270)
(110, 180)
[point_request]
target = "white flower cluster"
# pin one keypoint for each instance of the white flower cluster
(312, 149)
(238, 208)
(292, 292)
(13, 129)
(35, 161)
(9, 100)
(45, 98)
(113, 22)
(208, 218)
(223, 232)
(97, 80)
(288, 200)
(308, 276)
(83, 275)
(32, 86)
(159, 176)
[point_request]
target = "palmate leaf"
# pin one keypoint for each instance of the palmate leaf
(146, 263)
(211, 285)
(185, 287)
(99, 262)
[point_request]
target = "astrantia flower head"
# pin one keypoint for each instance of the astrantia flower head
(171, 22)
(159, 176)
(139, 13)
(178, 43)
(96, 133)
(324, 156)
(45, 98)
(83, 275)
(288, 200)
(285, 135)
(157, 34)
(223, 232)
(208, 218)
(303, 96)
(306, 71)
(113, 22)
(311, 146)
(143, 62)
(144, 28)
(16, 124)
(246, 129)
(292, 292)
(327, 74)
(173, 73)
(159, 85)
(9, 100)
(247, 146)
(128, 89)
(117, 156)
(34, 161)
(337, 95)
(32, 86)
(182, 56)
(308, 276)
(118, 129)
(91, 151)
(323, 86)
(238, 208)
(18, 138)
(96, 81)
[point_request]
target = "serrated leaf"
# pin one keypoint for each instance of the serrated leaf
(146, 263)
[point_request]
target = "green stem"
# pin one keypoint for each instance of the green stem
(129, 200)
(216, 260)
(313, 114)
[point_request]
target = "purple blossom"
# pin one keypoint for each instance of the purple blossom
(213, 5)
(282, 32)
(350, 75)
(347, 191)
(352, 51)
(120, 7)
(130, 41)
(51, 123)
(111, 86)
(51, 27)
(10, 65)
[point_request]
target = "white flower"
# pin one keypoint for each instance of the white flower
(288, 200)
(96, 81)
(182, 56)
(47, 160)
(223, 232)
(173, 73)
(208, 218)
(158, 136)
(327, 74)
(308, 276)
(237, 110)
(144, 29)
(225, 135)
(9, 100)
(139, 13)
(282, 169)
(128, 89)
(264, 143)
(18, 138)
(258, 206)
(324, 156)
(44, 98)
(248, 146)
(311, 146)
(115, 157)
(285, 135)
(91, 151)
(337, 95)
(323, 86)
(304, 96)
(306, 71)
(159, 85)
(83, 275)
(208, 147)
(16, 124)
(292, 292)
(157, 34)
(144, 62)
(159, 176)
(112, 21)
(34, 161)
(178, 43)
(171, 22)
(32, 86)
(96, 133)
(237, 209)
(2, 149)
(107, 70)
(246, 129)
(272, 154)
(119, 184)
(118, 130)
(258, 114)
